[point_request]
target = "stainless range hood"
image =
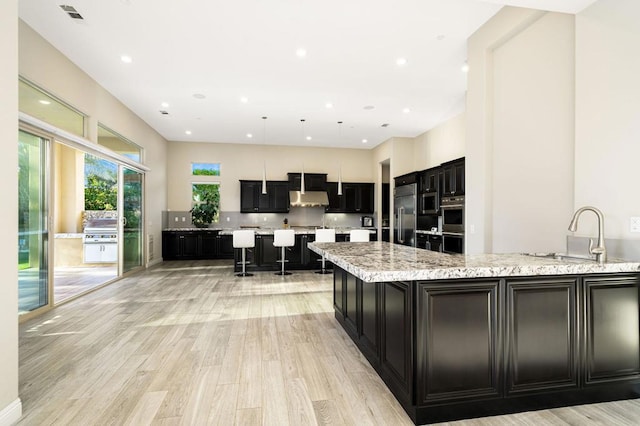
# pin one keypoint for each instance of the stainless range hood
(308, 199)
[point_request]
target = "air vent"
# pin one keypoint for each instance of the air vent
(385, 125)
(71, 11)
(164, 112)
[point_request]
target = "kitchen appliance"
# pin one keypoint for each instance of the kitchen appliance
(100, 241)
(429, 203)
(404, 203)
(452, 242)
(452, 209)
(366, 221)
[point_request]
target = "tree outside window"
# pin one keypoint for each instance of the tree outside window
(100, 184)
(205, 202)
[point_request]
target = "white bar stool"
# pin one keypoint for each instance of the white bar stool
(359, 235)
(284, 238)
(244, 239)
(325, 236)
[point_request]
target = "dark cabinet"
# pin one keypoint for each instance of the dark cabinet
(252, 200)
(368, 332)
(339, 276)
(612, 344)
(386, 234)
(542, 346)
(189, 245)
(396, 342)
(350, 307)
(312, 181)
(225, 246)
(355, 198)
(453, 178)
(386, 201)
(457, 326)
(209, 244)
(407, 179)
(429, 180)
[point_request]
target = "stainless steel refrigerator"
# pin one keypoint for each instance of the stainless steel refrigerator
(404, 204)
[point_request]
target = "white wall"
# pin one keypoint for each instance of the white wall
(246, 162)
(520, 132)
(443, 143)
(42, 64)
(607, 171)
(10, 409)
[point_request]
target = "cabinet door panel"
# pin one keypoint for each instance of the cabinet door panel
(269, 254)
(396, 348)
(209, 244)
(351, 302)
(338, 288)
(542, 340)
(612, 322)
(457, 333)
(190, 245)
(369, 317)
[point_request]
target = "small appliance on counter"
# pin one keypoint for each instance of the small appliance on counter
(366, 221)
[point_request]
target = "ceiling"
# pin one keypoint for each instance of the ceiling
(222, 52)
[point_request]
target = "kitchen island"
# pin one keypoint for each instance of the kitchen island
(457, 336)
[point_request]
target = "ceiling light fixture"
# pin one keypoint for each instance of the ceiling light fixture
(339, 163)
(264, 162)
(302, 176)
(126, 59)
(249, 135)
(309, 138)
(164, 105)
(244, 100)
(364, 141)
(188, 132)
(301, 53)
(44, 102)
(406, 110)
(328, 105)
(401, 62)
(465, 67)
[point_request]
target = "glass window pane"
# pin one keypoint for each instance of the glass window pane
(118, 144)
(205, 169)
(206, 203)
(38, 104)
(32, 223)
(132, 192)
(101, 184)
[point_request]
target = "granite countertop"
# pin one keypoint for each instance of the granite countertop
(383, 261)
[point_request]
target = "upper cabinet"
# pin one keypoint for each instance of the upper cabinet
(429, 180)
(312, 181)
(252, 200)
(453, 178)
(355, 198)
(407, 179)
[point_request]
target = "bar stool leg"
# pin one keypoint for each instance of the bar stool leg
(244, 264)
(282, 259)
(324, 270)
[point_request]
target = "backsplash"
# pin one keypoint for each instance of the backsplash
(619, 249)
(297, 216)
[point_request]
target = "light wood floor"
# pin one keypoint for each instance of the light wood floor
(189, 343)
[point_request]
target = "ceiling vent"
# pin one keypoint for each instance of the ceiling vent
(385, 125)
(164, 112)
(71, 11)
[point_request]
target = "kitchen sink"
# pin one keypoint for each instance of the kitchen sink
(562, 256)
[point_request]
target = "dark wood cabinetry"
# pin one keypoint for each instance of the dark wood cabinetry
(355, 198)
(191, 245)
(407, 179)
(453, 178)
(429, 180)
(542, 351)
(611, 322)
(252, 200)
(312, 181)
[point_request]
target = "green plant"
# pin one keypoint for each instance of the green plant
(207, 198)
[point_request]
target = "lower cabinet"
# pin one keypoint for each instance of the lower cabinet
(192, 245)
(457, 335)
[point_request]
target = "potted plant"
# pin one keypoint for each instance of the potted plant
(206, 210)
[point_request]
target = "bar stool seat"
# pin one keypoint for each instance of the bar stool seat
(283, 238)
(325, 236)
(359, 235)
(244, 239)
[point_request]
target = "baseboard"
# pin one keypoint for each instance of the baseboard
(154, 262)
(11, 413)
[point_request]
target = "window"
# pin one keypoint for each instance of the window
(118, 144)
(205, 169)
(205, 202)
(100, 184)
(39, 104)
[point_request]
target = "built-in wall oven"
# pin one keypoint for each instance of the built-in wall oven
(452, 209)
(452, 242)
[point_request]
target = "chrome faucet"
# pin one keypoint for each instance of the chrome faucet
(600, 251)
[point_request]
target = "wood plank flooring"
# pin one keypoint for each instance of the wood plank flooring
(188, 343)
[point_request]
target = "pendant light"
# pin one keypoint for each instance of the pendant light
(302, 176)
(264, 162)
(339, 163)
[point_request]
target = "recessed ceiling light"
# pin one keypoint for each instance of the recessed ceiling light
(401, 62)
(364, 141)
(249, 135)
(244, 99)
(406, 110)
(368, 107)
(126, 59)
(164, 105)
(301, 53)
(328, 105)
(309, 138)
(44, 102)
(199, 96)
(188, 132)
(464, 68)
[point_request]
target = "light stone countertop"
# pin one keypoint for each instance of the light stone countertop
(383, 261)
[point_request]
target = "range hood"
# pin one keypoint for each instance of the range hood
(308, 199)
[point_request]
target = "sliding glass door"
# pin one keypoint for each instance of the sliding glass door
(33, 212)
(132, 213)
